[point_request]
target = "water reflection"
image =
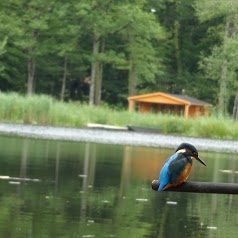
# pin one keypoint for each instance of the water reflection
(63, 189)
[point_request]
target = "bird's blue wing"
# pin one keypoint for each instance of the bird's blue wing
(176, 167)
(164, 177)
(165, 172)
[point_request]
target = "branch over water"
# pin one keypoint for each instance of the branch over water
(201, 187)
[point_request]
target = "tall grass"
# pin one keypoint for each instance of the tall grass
(44, 110)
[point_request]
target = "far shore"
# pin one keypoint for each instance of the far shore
(115, 137)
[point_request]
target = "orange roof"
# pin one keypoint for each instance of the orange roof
(164, 98)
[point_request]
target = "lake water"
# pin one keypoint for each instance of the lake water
(70, 189)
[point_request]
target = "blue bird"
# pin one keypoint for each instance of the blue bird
(177, 168)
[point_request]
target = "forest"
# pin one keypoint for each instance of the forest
(102, 51)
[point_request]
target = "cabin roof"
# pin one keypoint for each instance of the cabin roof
(165, 98)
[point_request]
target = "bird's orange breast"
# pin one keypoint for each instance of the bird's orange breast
(182, 178)
(184, 174)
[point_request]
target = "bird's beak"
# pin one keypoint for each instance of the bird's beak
(200, 160)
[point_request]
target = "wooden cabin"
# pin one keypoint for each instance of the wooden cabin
(169, 103)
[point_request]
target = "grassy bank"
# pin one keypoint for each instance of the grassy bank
(44, 110)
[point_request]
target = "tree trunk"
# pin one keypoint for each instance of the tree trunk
(94, 70)
(31, 73)
(177, 49)
(223, 78)
(98, 84)
(99, 75)
(132, 81)
(223, 95)
(31, 66)
(235, 108)
(64, 78)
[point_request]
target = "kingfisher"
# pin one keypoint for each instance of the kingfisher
(177, 168)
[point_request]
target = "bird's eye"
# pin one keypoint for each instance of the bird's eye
(195, 153)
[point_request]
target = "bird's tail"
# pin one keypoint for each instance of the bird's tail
(161, 186)
(164, 186)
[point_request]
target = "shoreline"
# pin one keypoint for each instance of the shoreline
(115, 137)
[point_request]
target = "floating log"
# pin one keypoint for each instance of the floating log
(144, 129)
(6, 177)
(106, 127)
(201, 187)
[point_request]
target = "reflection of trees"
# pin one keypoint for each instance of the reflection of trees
(175, 220)
(106, 211)
(87, 175)
(23, 166)
(126, 171)
(90, 189)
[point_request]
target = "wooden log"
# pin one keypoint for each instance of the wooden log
(106, 127)
(144, 129)
(201, 187)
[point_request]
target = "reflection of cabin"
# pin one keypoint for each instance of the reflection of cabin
(143, 163)
(169, 103)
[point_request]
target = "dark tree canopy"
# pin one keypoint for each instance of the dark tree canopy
(97, 51)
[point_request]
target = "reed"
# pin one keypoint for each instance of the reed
(44, 110)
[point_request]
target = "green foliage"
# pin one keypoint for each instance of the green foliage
(2, 46)
(219, 64)
(219, 8)
(2, 51)
(148, 45)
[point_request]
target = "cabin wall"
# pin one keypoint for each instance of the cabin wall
(170, 109)
(191, 111)
(196, 111)
(145, 107)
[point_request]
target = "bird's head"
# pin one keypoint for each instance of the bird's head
(190, 150)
